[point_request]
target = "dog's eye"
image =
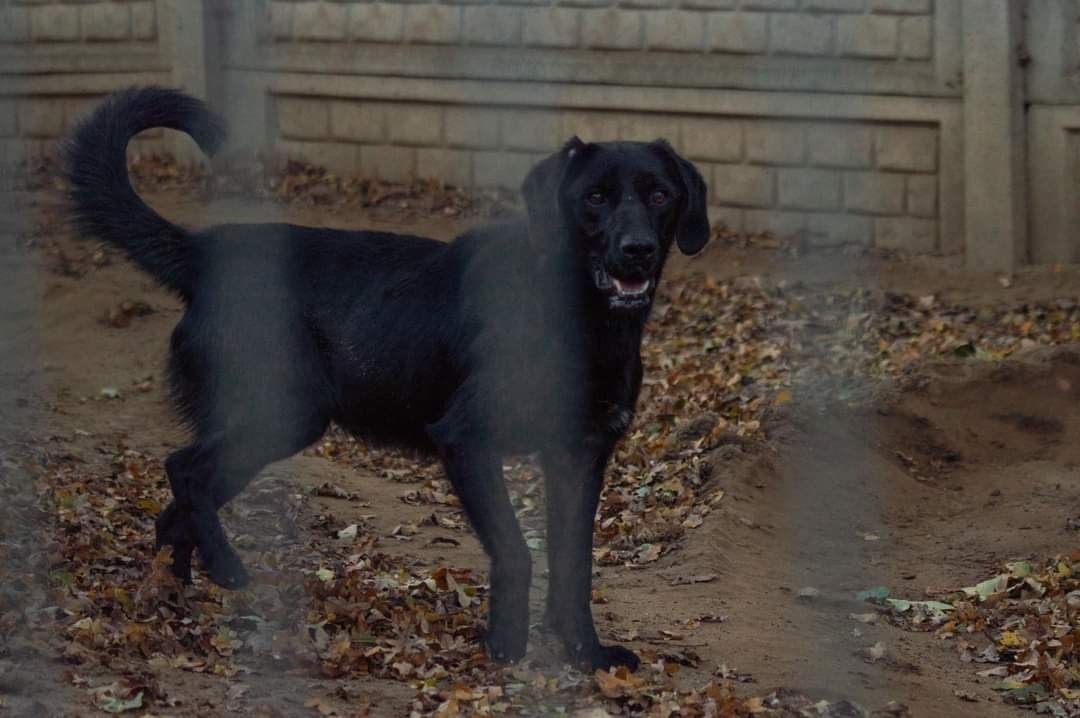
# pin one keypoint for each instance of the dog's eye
(658, 198)
(596, 199)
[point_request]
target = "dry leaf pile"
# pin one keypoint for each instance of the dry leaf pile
(282, 180)
(1022, 627)
(290, 181)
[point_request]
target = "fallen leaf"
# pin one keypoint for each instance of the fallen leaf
(876, 652)
(864, 617)
(877, 594)
(1011, 639)
(989, 587)
(111, 699)
(617, 682)
(699, 578)
(321, 706)
(647, 553)
(236, 691)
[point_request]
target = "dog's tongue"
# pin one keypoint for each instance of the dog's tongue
(631, 286)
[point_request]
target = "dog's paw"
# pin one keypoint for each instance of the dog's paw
(170, 530)
(181, 562)
(225, 568)
(601, 658)
(506, 646)
(181, 558)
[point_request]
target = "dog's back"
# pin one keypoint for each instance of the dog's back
(356, 326)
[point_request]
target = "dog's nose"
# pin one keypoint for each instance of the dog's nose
(637, 247)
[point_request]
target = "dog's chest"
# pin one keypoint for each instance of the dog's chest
(546, 389)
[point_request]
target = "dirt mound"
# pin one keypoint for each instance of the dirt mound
(992, 441)
(990, 414)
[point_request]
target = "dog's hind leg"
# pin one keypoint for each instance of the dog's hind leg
(192, 472)
(477, 477)
(207, 475)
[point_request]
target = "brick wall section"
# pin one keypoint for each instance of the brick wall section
(830, 182)
(75, 21)
(32, 127)
(881, 30)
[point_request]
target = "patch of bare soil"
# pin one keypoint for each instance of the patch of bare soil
(812, 428)
(923, 492)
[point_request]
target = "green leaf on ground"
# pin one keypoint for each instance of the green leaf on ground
(877, 594)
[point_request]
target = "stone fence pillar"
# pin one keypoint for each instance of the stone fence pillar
(995, 135)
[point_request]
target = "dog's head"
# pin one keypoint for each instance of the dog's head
(617, 207)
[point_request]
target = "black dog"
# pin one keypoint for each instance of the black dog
(516, 338)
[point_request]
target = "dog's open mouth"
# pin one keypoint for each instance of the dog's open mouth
(622, 293)
(630, 287)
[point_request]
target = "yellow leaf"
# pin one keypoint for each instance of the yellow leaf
(1012, 639)
(124, 599)
(149, 506)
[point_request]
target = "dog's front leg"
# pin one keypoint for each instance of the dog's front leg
(573, 482)
(476, 476)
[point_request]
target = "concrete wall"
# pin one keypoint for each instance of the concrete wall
(770, 97)
(1052, 37)
(899, 123)
(59, 58)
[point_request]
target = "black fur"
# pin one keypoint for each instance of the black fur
(515, 338)
(97, 168)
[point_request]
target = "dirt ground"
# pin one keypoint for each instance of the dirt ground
(927, 486)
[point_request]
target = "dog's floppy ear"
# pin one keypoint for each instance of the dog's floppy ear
(542, 189)
(692, 225)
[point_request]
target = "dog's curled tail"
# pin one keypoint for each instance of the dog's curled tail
(105, 204)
